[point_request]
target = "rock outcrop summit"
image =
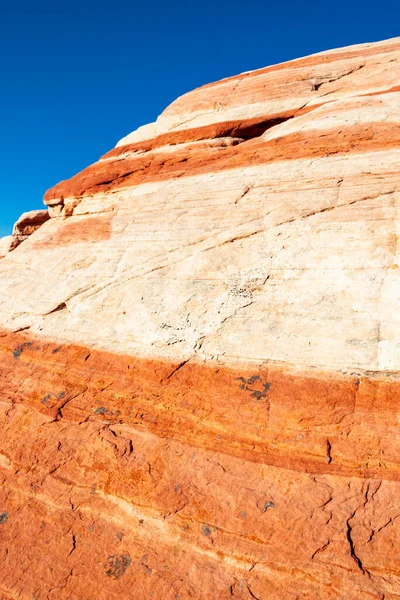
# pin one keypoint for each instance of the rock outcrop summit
(200, 351)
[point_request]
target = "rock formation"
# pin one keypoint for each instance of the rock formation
(5, 245)
(200, 351)
(27, 224)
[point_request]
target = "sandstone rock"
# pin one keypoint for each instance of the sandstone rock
(27, 224)
(200, 351)
(5, 244)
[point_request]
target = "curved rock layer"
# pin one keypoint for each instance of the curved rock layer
(199, 373)
(27, 224)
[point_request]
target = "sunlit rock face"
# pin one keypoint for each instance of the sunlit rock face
(5, 245)
(27, 224)
(200, 351)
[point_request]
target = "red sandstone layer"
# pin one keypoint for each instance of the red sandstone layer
(179, 479)
(105, 176)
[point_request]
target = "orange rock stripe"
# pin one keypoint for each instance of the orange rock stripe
(309, 61)
(246, 129)
(260, 86)
(110, 175)
(138, 476)
(323, 414)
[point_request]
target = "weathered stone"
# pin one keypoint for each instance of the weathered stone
(27, 224)
(200, 351)
(5, 245)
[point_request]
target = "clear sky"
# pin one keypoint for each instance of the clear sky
(78, 75)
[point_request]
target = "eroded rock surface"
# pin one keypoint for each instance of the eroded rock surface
(27, 224)
(200, 351)
(5, 245)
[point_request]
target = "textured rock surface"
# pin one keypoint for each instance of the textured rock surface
(5, 245)
(200, 351)
(27, 224)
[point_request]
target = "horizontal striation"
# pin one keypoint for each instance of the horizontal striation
(200, 351)
(244, 129)
(106, 176)
(289, 86)
(321, 58)
(180, 479)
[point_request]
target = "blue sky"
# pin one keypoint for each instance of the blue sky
(79, 75)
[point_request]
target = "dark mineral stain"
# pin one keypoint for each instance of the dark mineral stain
(206, 529)
(100, 410)
(46, 399)
(19, 349)
(3, 517)
(253, 379)
(56, 350)
(259, 388)
(117, 565)
(61, 395)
